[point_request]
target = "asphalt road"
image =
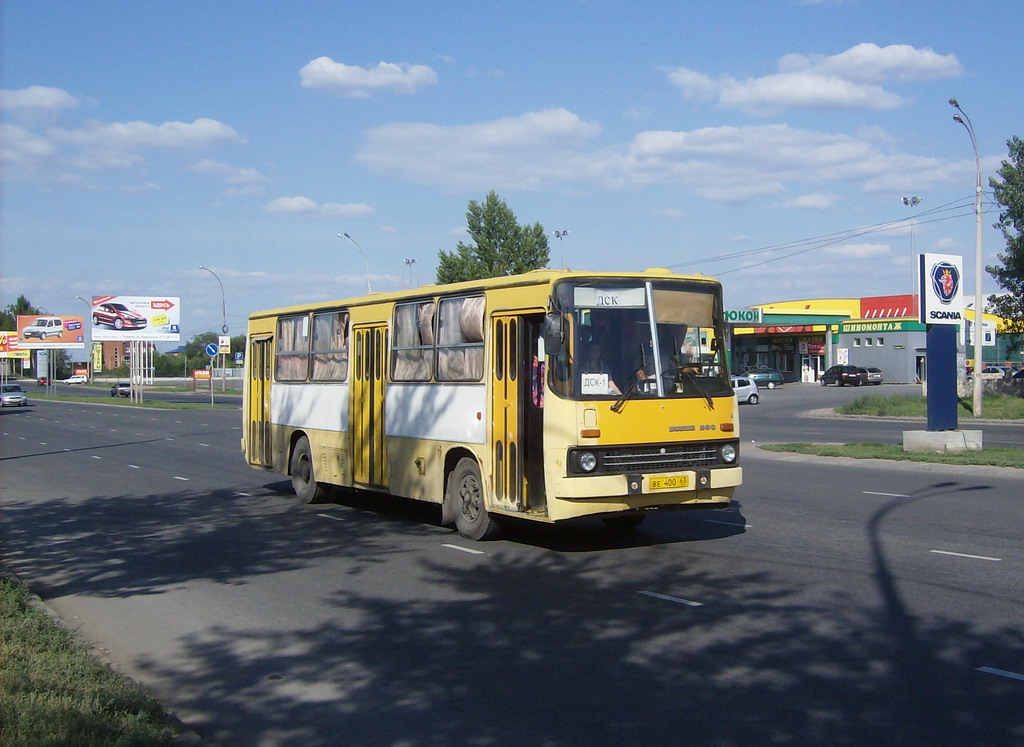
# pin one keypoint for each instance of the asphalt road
(836, 602)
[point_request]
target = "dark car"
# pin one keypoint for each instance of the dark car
(769, 378)
(121, 389)
(873, 375)
(118, 316)
(843, 375)
(1018, 375)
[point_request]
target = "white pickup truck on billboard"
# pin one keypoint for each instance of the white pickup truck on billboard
(148, 318)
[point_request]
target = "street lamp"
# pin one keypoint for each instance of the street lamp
(88, 349)
(361, 254)
(963, 119)
(912, 202)
(223, 307)
(409, 263)
(561, 254)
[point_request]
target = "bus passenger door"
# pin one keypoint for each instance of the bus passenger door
(369, 372)
(258, 442)
(507, 381)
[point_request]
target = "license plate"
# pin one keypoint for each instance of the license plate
(670, 483)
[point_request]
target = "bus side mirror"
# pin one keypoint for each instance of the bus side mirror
(553, 333)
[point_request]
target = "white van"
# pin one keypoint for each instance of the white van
(43, 327)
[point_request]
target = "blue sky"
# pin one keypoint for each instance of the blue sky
(768, 143)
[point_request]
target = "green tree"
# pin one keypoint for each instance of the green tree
(1009, 194)
(500, 245)
(9, 316)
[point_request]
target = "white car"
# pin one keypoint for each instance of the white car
(44, 326)
(12, 395)
(745, 389)
(77, 379)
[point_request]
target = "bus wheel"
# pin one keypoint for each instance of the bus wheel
(303, 480)
(466, 493)
(622, 524)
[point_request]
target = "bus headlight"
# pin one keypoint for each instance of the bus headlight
(728, 453)
(586, 461)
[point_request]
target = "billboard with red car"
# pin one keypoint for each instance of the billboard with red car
(147, 318)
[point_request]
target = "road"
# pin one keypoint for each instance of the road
(836, 602)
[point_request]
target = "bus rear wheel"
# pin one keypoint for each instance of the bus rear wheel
(303, 478)
(466, 494)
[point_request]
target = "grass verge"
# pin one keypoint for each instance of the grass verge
(994, 406)
(987, 457)
(125, 402)
(53, 690)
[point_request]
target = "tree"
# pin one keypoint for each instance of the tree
(1009, 194)
(21, 307)
(501, 246)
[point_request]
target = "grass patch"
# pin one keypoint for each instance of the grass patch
(54, 691)
(994, 406)
(987, 457)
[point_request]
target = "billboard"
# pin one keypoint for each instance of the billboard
(941, 282)
(50, 331)
(9, 346)
(147, 318)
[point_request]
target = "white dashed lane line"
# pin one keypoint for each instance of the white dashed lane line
(965, 555)
(1000, 673)
(468, 550)
(675, 600)
(885, 495)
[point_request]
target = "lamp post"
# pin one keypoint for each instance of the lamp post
(88, 348)
(409, 263)
(361, 254)
(561, 254)
(224, 330)
(912, 202)
(979, 301)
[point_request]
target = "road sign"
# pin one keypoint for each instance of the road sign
(212, 349)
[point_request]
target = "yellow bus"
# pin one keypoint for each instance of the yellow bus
(546, 396)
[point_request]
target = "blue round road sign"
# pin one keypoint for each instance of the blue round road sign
(211, 349)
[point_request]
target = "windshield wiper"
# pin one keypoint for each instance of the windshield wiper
(701, 389)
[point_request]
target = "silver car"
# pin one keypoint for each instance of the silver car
(12, 395)
(745, 389)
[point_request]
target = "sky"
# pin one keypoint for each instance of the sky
(768, 143)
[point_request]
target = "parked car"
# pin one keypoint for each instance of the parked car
(121, 389)
(118, 316)
(745, 389)
(873, 375)
(42, 381)
(843, 375)
(769, 378)
(1019, 374)
(43, 327)
(995, 373)
(77, 379)
(12, 395)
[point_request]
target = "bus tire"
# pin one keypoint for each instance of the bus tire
(466, 494)
(304, 481)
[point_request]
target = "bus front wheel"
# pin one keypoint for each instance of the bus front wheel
(466, 494)
(303, 478)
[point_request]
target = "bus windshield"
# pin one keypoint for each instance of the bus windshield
(623, 339)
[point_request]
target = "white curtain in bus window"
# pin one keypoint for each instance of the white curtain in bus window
(412, 356)
(292, 348)
(460, 339)
(330, 346)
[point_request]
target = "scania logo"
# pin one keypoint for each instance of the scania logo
(945, 281)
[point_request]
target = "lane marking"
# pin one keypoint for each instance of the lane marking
(667, 598)
(134, 466)
(183, 479)
(464, 549)
(1000, 672)
(964, 555)
(332, 518)
(249, 495)
(96, 457)
(887, 495)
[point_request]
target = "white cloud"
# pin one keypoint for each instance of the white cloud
(860, 251)
(529, 151)
(325, 74)
(36, 103)
(850, 80)
(240, 181)
(305, 207)
(127, 137)
(812, 202)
